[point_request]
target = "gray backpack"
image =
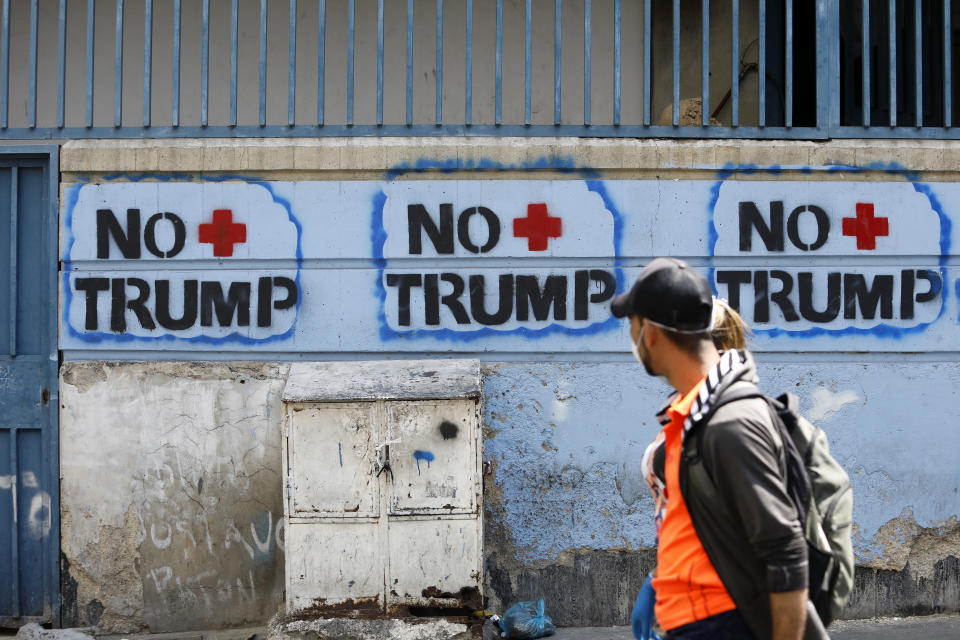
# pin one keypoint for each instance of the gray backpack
(821, 490)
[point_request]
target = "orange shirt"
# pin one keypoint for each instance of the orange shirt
(688, 587)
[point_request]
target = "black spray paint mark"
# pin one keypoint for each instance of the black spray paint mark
(448, 430)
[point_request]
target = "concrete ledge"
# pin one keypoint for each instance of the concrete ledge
(378, 155)
(356, 629)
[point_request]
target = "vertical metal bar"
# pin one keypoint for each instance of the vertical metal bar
(14, 259)
(32, 104)
(409, 86)
(61, 62)
(865, 68)
(557, 60)
(91, 5)
(676, 63)
(762, 64)
(118, 67)
(498, 81)
(147, 59)
(468, 70)
(647, 66)
(175, 82)
(234, 38)
(616, 63)
(947, 68)
(5, 62)
(292, 66)
(893, 62)
(321, 59)
(705, 62)
(439, 97)
(379, 63)
(351, 24)
(788, 120)
(587, 11)
(528, 63)
(204, 61)
(262, 118)
(828, 67)
(735, 64)
(14, 533)
(918, 58)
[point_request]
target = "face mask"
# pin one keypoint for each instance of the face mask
(635, 347)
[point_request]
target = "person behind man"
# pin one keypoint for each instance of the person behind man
(731, 560)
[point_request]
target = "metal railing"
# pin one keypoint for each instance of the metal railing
(249, 68)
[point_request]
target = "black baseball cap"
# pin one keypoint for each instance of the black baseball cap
(670, 293)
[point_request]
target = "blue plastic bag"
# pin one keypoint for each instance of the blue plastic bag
(642, 617)
(526, 620)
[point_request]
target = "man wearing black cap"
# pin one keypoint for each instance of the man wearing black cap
(731, 558)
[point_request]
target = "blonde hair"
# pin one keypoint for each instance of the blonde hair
(729, 329)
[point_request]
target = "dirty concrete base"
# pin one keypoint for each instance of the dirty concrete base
(281, 628)
(589, 588)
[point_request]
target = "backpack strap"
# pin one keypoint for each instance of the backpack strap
(798, 484)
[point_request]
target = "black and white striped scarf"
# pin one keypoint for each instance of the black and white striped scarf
(729, 368)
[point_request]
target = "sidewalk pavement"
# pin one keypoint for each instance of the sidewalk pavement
(937, 627)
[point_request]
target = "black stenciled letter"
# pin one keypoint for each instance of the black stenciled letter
(138, 306)
(493, 229)
(431, 299)
(127, 241)
(805, 290)
(581, 287)
(936, 284)
(189, 317)
(782, 297)
(529, 295)
(733, 280)
(505, 305)
(92, 287)
(452, 299)
(265, 301)
(150, 234)
(908, 285)
(118, 305)
(856, 293)
(404, 281)
(212, 299)
(751, 218)
(823, 227)
(419, 220)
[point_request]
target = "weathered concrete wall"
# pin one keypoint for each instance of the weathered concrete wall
(566, 516)
(170, 494)
(567, 504)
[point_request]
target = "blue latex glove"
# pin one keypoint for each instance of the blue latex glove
(642, 617)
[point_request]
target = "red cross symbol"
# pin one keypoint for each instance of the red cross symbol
(223, 233)
(537, 227)
(865, 227)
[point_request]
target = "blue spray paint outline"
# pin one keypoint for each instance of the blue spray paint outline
(101, 337)
(378, 238)
(881, 330)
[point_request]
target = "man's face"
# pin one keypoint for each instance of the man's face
(637, 327)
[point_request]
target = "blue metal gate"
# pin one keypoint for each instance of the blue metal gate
(29, 456)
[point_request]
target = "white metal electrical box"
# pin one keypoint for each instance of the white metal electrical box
(382, 474)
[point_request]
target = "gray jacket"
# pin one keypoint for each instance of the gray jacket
(738, 501)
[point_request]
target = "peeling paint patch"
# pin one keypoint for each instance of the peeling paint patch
(825, 402)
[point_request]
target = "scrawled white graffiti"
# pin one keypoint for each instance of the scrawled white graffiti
(204, 589)
(163, 534)
(39, 515)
